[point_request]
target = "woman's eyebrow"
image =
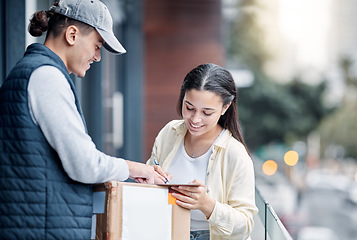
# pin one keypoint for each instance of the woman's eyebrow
(209, 109)
(188, 103)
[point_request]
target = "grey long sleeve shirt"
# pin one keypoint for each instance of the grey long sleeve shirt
(52, 107)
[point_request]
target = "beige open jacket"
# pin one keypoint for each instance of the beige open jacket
(229, 181)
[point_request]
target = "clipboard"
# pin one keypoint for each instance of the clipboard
(171, 199)
(178, 184)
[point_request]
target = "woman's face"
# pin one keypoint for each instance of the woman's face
(201, 111)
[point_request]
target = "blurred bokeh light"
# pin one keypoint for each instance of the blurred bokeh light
(270, 167)
(291, 158)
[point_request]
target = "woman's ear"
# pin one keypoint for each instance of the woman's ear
(225, 107)
(71, 34)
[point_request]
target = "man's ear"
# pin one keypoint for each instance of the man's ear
(71, 34)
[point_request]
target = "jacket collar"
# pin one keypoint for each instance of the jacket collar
(39, 48)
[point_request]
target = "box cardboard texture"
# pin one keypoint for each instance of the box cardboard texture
(109, 224)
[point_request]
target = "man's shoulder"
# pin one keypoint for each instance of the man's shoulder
(48, 69)
(47, 74)
(50, 82)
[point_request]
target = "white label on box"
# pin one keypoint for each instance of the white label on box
(98, 202)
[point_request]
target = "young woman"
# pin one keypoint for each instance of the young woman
(206, 147)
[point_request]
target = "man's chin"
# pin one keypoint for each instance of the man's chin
(80, 75)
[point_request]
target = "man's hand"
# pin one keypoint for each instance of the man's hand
(140, 172)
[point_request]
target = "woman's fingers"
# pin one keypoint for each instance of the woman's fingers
(162, 175)
(159, 179)
(169, 176)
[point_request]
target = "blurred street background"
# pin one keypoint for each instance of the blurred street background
(299, 111)
(294, 63)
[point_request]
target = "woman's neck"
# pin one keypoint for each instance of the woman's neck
(208, 136)
(197, 145)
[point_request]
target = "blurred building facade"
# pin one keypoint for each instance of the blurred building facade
(178, 35)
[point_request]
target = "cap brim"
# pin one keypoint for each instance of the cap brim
(111, 43)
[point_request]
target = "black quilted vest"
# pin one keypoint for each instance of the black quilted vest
(37, 198)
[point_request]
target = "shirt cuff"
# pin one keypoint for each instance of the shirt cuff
(123, 170)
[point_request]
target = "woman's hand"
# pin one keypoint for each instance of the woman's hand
(194, 198)
(160, 175)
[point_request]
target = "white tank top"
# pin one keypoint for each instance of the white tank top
(185, 169)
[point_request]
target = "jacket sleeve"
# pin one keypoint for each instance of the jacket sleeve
(53, 109)
(164, 142)
(156, 146)
(232, 218)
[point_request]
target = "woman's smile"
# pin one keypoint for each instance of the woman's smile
(194, 127)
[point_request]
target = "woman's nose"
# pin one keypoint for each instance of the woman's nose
(196, 117)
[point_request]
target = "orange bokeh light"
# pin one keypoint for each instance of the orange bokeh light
(291, 158)
(270, 167)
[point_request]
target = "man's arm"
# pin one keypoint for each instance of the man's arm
(52, 105)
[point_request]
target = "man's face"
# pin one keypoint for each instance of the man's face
(85, 51)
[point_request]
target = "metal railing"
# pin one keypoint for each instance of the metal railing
(273, 227)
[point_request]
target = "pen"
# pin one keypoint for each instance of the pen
(156, 163)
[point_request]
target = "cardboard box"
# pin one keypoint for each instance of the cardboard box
(112, 222)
